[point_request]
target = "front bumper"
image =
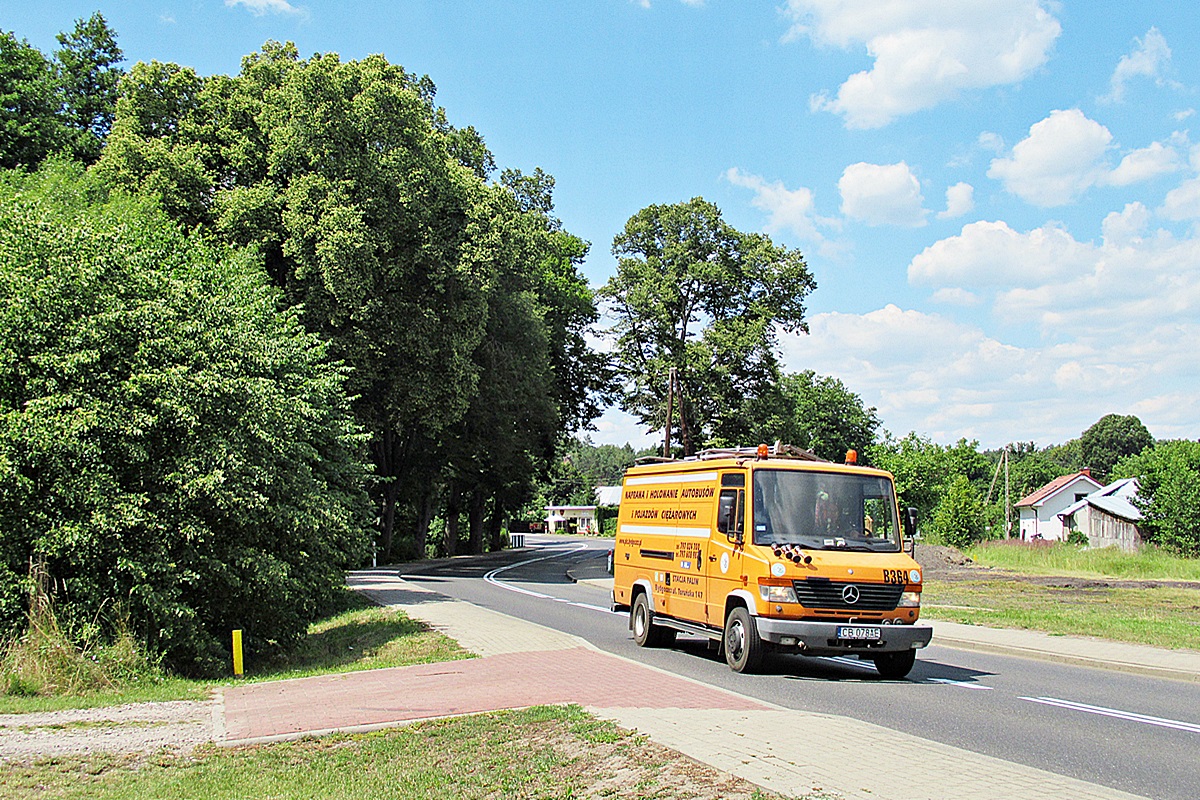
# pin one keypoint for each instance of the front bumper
(820, 638)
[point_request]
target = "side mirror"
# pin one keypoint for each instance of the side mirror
(910, 530)
(729, 515)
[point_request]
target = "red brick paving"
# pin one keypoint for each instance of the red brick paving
(515, 680)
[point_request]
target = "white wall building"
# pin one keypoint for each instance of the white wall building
(1108, 516)
(1039, 512)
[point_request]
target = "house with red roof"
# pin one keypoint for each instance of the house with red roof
(1039, 511)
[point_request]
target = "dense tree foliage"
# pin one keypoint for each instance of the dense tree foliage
(1110, 439)
(928, 479)
(1168, 494)
(171, 445)
(694, 294)
(822, 415)
(958, 518)
(457, 303)
(29, 127)
(63, 104)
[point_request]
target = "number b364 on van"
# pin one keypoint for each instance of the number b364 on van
(769, 549)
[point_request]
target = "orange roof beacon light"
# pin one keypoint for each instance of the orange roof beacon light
(763, 451)
(851, 456)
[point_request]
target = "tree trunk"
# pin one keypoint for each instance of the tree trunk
(385, 449)
(424, 518)
(495, 524)
(453, 507)
(475, 513)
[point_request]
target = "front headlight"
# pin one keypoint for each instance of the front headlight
(778, 594)
(910, 600)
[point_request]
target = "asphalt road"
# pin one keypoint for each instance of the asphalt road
(1137, 734)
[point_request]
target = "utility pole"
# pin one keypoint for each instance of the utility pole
(670, 411)
(1003, 463)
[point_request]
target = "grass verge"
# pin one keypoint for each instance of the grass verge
(542, 752)
(364, 636)
(1163, 617)
(1059, 558)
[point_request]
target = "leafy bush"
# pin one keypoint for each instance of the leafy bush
(169, 440)
(1168, 494)
(958, 517)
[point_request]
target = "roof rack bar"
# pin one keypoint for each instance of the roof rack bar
(780, 450)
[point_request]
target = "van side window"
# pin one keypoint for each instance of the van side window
(731, 512)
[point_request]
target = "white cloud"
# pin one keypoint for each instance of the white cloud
(993, 254)
(1127, 227)
(1150, 59)
(960, 200)
(1183, 202)
(1061, 158)
(1066, 154)
(787, 209)
(991, 141)
(948, 380)
(260, 7)
(882, 194)
(925, 51)
(1144, 164)
(954, 296)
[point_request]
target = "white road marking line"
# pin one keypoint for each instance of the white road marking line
(1190, 727)
(853, 662)
(556, 552)
(964, 684)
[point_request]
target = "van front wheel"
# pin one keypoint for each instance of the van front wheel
(743, 648)
(895, 666)
(645, 632)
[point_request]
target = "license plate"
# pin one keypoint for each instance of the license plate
(857, 633)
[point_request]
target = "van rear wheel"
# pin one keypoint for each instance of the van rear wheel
(743, 648)
(645, 632)
(895, 665)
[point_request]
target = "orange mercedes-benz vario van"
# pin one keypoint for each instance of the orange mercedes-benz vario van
(769, 549)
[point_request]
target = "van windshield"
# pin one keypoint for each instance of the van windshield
(824, 511)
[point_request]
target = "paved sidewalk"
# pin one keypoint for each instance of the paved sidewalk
(522, 664)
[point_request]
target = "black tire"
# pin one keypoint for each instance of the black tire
(895, 666)
(645, 632)
(743, 648)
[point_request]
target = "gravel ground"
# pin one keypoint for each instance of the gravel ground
(177, 726)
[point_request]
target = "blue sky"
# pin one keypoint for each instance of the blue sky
(999, 198)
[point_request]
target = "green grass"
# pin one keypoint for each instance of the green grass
(543, 752)
(363, 637)
(1065, 559)
(1163, 617)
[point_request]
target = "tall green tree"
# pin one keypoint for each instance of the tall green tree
(171, 444)
(1168, 476)
(925, 471)
(1110, 439)
(30, 129)
(87, 76)
(373, 215)
(694, 294)
(822, 415)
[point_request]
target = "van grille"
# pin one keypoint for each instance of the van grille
(824, 593)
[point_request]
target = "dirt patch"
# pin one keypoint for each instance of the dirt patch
(132, 729)
(634, 766)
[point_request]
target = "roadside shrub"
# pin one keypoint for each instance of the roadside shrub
(959, 516)
(170, 442)
(1168, 494)
(46, 660)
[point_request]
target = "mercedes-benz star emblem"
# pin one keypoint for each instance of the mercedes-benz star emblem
(850, 595)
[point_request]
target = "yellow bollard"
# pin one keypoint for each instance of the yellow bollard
(237, 653)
